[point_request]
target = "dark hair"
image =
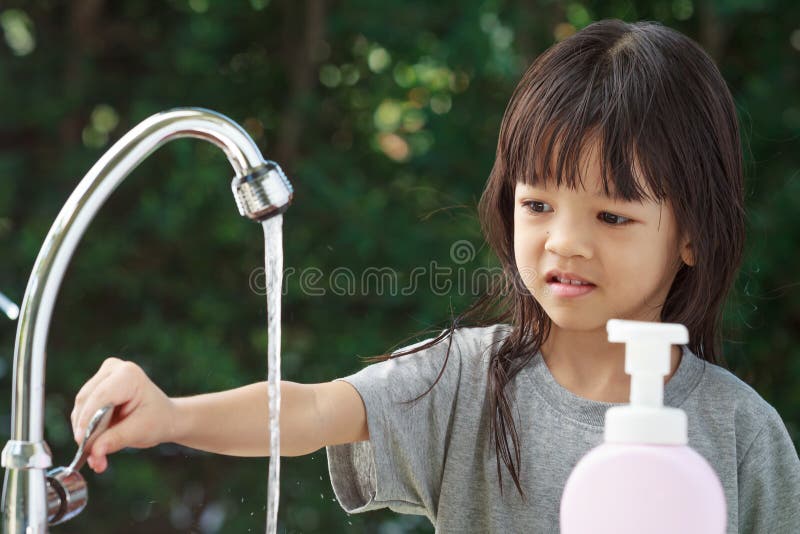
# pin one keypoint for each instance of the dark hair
(656, 103)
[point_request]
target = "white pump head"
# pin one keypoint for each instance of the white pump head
(647, 360)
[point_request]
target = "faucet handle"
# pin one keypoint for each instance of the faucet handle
(98, 424)
(67, 494)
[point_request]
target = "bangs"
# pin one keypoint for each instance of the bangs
(553, 158)
(573, 102)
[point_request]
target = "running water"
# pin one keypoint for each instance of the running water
(273, 265)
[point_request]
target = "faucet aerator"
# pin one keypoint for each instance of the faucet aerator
(264, 193)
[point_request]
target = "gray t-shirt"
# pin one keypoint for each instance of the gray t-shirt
(434, 457)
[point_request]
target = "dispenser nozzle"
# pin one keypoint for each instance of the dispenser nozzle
(647, 355)
(647, 359)
(620, 330)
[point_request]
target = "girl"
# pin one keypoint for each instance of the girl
(616, 193)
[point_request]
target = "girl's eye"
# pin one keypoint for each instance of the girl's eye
(537, 207)
(614, 220)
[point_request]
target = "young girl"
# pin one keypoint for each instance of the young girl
(616, 193)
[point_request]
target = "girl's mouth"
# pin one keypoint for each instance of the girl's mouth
(566, 289)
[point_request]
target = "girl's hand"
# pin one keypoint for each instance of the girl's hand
(143, 415)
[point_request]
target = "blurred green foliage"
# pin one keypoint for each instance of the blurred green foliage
(385, 117)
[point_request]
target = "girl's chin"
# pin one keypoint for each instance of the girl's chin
(578, 322)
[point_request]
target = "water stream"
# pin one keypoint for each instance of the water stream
(273, 266)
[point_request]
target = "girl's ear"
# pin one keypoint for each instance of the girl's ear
(687, 252)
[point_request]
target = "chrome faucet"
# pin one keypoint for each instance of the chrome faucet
(32, 499)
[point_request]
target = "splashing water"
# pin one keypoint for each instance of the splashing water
(273, 265)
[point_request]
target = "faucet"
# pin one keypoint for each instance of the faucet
(33, 499)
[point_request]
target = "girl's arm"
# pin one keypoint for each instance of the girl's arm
(236, 422)
(233, 422)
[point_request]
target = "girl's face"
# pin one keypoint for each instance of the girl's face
(629, 251)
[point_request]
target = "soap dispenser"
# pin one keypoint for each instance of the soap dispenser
(644, 478)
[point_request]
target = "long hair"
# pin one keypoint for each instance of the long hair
(657, 104)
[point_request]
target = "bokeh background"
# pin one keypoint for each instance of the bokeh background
(385, 117)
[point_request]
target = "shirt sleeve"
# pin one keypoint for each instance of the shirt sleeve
(401, 465)
(769, 481)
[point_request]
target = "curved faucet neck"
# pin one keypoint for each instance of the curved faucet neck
(67, 230)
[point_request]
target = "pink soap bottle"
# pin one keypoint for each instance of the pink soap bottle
(644, 478)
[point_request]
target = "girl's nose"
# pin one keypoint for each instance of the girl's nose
(567, 239)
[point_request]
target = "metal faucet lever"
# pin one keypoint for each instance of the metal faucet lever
(98, 425)
(67, 495)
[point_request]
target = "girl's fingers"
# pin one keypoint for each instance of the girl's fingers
(125, 386)
(119, 387)
(112, 440)
(80, 405)
(80, 399)
(98, 466)
(101, 465)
